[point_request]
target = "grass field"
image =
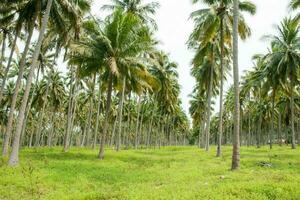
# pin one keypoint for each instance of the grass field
(168, 173)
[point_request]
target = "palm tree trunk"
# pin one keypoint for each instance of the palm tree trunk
(137, 123)
(69, 115)
(90, 113)
(249, 125)
(73, 115)
(9, 126)
(98, 115)
(208, 112)
(241, 125)
(14, 157)
(202, 130)
(41, 115)
(29, 107)
(199, 135)
(51, 134)
(150, 128)
(9, 63)
(140, 129)
(279, 129)
(118, 146)
(249, 131)
(107, 113)
(293, 114)
(236, 137)
(219, 151)
(259, 131)
(3, 50)
(272, 118)
(84, 131)
(113, 137)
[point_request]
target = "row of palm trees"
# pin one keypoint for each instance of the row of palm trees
(266, 96)
(117, 89)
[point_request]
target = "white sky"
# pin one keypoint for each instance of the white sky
(174, 29)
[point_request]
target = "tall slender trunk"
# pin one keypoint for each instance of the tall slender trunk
(249, 124)
(241, 125)
(259, 131)
(69, 115)
(137, 124)
(118, 146)
(149, 132)
(129, 126)
(84, 131)
(272, 118)
(150, 128)
(279, 129)
(14, 157)
(98, 115)
(113, 137)
(219, 151)
(293, 114)
(236, 137)
(28, 108)
(249, 131)
(107, 113)
(202, 130)
(88, 133)
(9, 126)
(41, 115)
(208, 111)
(3, 49)
(51, 133)
(73, 115)
(140, 129)
(4, 79)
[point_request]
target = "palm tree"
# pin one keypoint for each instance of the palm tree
(136, 7)
(99, 108)
(10, 10)
(113, 51)
(217, 19)
(236, 136)
(56, 15)
(14, 157)
(120, 113)
(206, 74)
(56, 96)
(45, 61)
(286, 59)
(197, 108)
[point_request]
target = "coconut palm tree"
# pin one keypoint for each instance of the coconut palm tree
(56, 14)
(285, 57)
(217, 19)
(112, 52)
(14, 157)
(11, 9)
(136, 7)
(197, 108)
(56, 97)
(206, 74)
(236, 136)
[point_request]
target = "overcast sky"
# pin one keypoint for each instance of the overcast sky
(174, 29)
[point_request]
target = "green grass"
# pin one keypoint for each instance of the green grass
(168, 173)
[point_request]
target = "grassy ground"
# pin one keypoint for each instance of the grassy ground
(169, 173)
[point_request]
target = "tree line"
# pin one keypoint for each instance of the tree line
(262, 107)
(69, 78)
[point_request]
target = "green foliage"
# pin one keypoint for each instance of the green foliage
(168, 173)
